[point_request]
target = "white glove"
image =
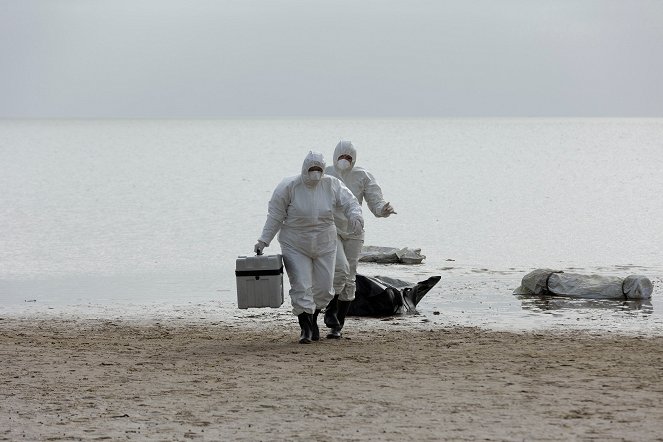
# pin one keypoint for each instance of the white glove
(357, 225)
(387, 210)
(259, 247)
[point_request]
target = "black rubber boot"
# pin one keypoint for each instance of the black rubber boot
(341, 311)
(305, 324)
(315, 331)
(334, 333)
(331, 320)
(343, 307)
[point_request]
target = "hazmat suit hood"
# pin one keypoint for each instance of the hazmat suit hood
(345, 147)
(312, 159)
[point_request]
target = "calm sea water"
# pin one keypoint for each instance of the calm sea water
(157, 211)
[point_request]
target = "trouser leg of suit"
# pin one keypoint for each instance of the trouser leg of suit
(352, 251)
(300, 274)
(323, 277)
(345, 271)
(341, 267)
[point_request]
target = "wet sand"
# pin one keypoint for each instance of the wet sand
(84, 378)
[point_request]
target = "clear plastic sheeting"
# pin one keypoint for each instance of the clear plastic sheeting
(391, 255)
(559, 283)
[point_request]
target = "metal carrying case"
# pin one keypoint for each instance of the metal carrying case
(259, 281)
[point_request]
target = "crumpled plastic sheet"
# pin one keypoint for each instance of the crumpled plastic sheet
(391, 255)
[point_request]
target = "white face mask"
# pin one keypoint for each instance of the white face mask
(343, 164)
(315, 175)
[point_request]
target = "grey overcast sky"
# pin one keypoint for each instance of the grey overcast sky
(330, 58)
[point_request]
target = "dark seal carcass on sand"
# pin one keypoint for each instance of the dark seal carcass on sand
(383, 296)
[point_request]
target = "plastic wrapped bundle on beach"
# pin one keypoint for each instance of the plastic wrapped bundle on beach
(391, 255)
(575, 285)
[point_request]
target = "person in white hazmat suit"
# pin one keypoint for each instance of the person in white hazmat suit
(364, 186)
(302, 209)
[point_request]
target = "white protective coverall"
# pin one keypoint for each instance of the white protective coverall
(303, 210)
(364, 186)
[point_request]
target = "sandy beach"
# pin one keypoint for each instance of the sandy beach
(84, 378)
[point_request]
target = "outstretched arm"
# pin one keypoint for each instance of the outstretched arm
(374, 199)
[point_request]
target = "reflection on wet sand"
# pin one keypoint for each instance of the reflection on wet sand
(546, 303)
